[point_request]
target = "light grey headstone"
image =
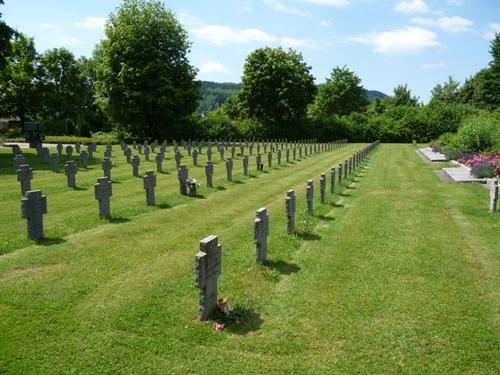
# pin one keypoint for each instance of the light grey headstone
(261, 230)
(310, 196)
(322, 188)
(183, 175)
(106, 167)
(332, 180)
(493, 195)
(103, 191)
(229, 169)
(149, 182)
(290, 210)
(33, 207)
(178, 156)
(24, 176)
(136, 161)
(70, 172)
(208, 262)
(84, 159)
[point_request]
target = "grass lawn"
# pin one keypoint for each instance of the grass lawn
(397, 273)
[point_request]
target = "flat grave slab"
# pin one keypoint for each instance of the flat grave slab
(431, 155)
(462, 173)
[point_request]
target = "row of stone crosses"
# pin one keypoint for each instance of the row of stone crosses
(208, 261)
(34, 204)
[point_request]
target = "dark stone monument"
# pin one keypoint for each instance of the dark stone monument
(322, 188)
(290, 210)
(106, 167)
(84, 159)
(33, 207)
(229, 169)
(103, 190)
(136, 161)
(149, 181)
(245, 165)
(332, 180)
(24, 176)
(183, 177)
(261, 230)
(209, 171)
(54, 162)
(159, 162)
(70, 172)
(310, 196)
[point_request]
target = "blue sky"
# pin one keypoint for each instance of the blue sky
(386, 42)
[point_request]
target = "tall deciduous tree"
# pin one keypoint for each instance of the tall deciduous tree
(402, 96)
(63, 88)
(5, 34)
(19, 88)
(489, 82)
(144, 79)
(277, 85)
(341, 94)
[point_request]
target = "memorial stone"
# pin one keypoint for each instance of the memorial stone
(290, 210)
(270, 159)
(33, 207)
(59, 148)
(84, 159)
(69, 152)
(194, 154)
(208, 269)
(310, 196)
(149, 182)
(54, 162)
(103, 191)
(261, 230)
(136, 161)
(332, 180)
(159, 162)
(70, 172)
(19, 160)
(245, 165)
(493, 195)
(24, 176)
(106, 167)
(322, 188)
(183, 176)
(229, 169)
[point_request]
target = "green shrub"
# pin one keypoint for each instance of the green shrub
(479, 133)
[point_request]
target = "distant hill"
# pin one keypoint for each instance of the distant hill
(215, 94)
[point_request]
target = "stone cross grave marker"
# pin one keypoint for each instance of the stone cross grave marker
(209, 172)
(208, 269)
(134, 144)
(194, 154)
(69, 152)
(90, 151)
(54, 162)
(19, 160)
(265, 148)
(287, 154)
(310, 196)
(290, 210)
(103, 191)
(16, 150)
(59, 148)
(84, 159)
(128, 154)
(24, 176)
(146, 152)
(45, 154)
(493, 195)
(229, 169)
(322, 188)
(107, 153)
(340, 172)
(106, 167)
(245, 165)
(149, 181)
(294, 153)
(178, 157)
(345, 169)
(139, 148)
(260, 232)
(270, 159)
(183, 176)
(70, 171)
(233, 152)
(221, 152)
(209, 153)
(136, 161)
(159, 162)
(33, 207)
(258, 161)
(332, 180)
(300, 152)
(279, 157)
(77, 147)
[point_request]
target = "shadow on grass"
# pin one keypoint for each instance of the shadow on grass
(249, 321)
(50, 241)
(78, 188)
(350, 187)
(337, 205)
(282, 267)
(220, 188)
(164, 205)
(345, 194)
(119, 220)
(326, 218)
(196, 196)
(308, 236)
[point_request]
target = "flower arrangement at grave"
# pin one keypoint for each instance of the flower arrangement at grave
(192, 186)
(485, 166)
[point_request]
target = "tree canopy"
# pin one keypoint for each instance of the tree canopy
(144, 80)
(277, 85)
(6, 33)
(341, 95)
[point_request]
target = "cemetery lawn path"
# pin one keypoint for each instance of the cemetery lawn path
(397, 273)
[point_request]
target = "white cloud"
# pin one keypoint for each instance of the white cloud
(409, 40)
(448, 24)
(188, 20)
(68, 40)
(279, 6)
(247, 8)
(296, 42)
(219, 35)
(457, 3)
(92, 23)
(492, 29)
(325, 24)
(332, 3)
(47, 26)
(411, 6)
(439, 65)
(210, 66)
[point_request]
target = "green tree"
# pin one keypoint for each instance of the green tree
(19, 83)
(63, 90)
(402, 96)
(447, 92)
(144, 80)
(341, 94)
(489, 82)
(277, 86)
(6, 34)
